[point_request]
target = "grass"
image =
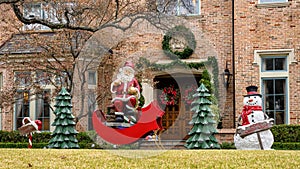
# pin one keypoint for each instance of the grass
(173, 159)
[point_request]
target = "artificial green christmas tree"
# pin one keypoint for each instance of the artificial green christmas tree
(203, 130)
(64, 135)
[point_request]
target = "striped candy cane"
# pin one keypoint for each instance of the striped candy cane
(37, 125)
(30, 140)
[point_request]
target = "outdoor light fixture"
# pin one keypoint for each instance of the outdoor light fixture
(226, 77)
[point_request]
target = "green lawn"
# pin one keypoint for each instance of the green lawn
(173, 159)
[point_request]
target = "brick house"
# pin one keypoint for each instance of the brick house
(259, 45)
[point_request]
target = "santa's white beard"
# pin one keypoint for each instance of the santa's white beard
(125, 78)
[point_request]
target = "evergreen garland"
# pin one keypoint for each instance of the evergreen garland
(212, 61)
(187, 35)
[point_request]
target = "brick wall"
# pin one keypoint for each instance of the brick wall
(256, 28)
(264, 28)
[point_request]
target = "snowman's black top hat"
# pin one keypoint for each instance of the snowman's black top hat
(252, 91)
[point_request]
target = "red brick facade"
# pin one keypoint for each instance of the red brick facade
(256, 27)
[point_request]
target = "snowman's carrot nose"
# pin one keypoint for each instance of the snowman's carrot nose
(250, 100)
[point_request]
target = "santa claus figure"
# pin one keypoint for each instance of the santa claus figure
(127, 90)
(254, 132)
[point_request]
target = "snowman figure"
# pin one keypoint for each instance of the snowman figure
(254, 132)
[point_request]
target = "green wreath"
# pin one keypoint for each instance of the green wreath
(187, 47)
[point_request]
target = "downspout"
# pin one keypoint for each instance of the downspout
(233, 65)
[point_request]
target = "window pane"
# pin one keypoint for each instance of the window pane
(43, 78)
(22, 78)
(179, 7)
(275, 99)
(167, 6)
(22, 107)
(269, 64)
(1, 80)
(269, 102)
(32, 10)
(279, 118)
(273, 63)
(269, 86)
(280, 64)
(188, 7)
(279, 103)
(92, 78)
(43, 109)
(270, 114)
(279, 86)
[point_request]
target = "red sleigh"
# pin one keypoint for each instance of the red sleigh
(150, 120)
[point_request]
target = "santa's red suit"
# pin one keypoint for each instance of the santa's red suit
(121, 93)
(125, 97)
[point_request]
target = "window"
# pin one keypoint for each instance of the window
(45, 11)
(274, 76)
(43, 78)
(92, 79)
(22, 107)
(22, 79)
(43, 109)
(34, 10)
(91, 108)
(272, 1)
(179, 7)
(33, 103)
(274, 90)
(277, 63)
(62, 78)
(1, 81)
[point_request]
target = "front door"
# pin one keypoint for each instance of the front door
(177, 110)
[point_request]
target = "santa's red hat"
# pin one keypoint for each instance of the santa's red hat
(129, 64)
(252, 91)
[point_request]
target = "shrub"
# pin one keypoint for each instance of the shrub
(44, 137)
(227, 145)
(84, 137)
(12, 136)
(22, 145)
(286, 146)
(286, 133)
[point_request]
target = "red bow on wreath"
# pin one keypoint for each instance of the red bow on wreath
(169, 96)
(188, 93)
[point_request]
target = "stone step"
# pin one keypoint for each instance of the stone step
(162, 144)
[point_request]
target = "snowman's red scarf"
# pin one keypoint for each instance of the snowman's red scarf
(248, 110)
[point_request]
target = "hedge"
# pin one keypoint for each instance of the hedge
(44, 137)
(44, 145)
(286, 133)
(286, 146)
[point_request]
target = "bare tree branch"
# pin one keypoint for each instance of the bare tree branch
(9, 1)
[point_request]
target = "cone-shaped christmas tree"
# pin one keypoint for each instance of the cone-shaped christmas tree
(203, 130)
(64, 135)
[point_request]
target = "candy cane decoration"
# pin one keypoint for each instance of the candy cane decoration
(30, 140)
(28, 127)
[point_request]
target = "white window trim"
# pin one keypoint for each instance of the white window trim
(289, 52)
(259, 1)
(285, 74)
(272, 4)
